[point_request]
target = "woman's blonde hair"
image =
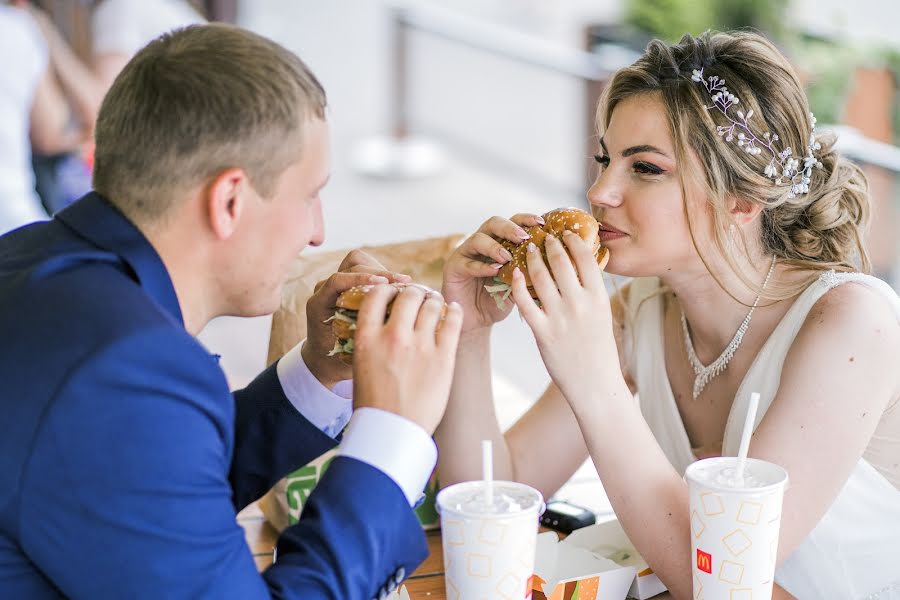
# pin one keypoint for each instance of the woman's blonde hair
(813, 232)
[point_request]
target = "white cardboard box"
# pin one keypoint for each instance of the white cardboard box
(608, 540)
(584, 559)
(560, 567)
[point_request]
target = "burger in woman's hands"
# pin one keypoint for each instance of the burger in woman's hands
(556, 222)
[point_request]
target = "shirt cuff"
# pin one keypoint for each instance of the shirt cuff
(394, 445)
(328, 410)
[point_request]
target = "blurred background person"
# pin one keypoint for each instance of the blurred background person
(62, 166)
(33, 114)
(119, 28)
(112, 31)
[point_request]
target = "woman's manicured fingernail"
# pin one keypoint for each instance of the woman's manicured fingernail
(505, 254)
(532, 247)
(517, 273)
(496, 266)
(522, 233)
(540, 220)
(375, 279)
(402, 277)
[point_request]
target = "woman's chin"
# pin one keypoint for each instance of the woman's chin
(618, 267)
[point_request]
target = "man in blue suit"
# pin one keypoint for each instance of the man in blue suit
(123, 455)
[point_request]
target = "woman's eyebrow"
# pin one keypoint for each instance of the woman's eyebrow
(636, 149)
(643, 148)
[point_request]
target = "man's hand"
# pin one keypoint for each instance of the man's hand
(357, 268)
(405, 365)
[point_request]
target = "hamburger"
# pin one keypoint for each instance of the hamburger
(556, 222)
(343, 321)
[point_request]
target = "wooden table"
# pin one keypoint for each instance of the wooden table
(427, 583)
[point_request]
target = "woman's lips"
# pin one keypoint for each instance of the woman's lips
(609, 233)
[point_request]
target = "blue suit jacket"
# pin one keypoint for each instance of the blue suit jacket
(124, 457)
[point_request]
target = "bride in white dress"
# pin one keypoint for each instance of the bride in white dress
(744, 235)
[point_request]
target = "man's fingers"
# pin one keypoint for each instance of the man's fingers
(448, 334)
(406, 308)
(358, 257)
(429, 315)
(340, 282)
(373, 309)
(381, 272)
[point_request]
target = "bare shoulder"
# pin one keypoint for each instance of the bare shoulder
(851, 323)
(857, 307)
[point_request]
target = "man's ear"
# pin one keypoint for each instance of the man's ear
(742, 210)
(226, 195)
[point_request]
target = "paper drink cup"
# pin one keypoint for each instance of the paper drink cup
(489, 549)
(734, 527)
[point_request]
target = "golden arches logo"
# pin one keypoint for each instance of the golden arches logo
(704, 561)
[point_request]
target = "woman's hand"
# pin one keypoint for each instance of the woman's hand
(475, 263)
(573, 326)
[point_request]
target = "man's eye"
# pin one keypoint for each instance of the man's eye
(602, 159)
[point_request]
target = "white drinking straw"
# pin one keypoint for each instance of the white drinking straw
(745, 436)
(487, 471)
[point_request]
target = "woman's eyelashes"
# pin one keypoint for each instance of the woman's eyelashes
(640, 167)
(646, 168)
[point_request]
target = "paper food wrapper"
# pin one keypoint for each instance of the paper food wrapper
(283, 504)
(593, 563)
(423, 260)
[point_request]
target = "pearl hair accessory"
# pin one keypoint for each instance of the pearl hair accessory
(783, 166)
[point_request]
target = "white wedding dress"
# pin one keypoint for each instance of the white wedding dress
(854, 551)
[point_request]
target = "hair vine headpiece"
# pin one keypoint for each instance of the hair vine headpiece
(783, 166)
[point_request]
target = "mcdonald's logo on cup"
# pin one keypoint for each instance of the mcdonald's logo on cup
(704, 561)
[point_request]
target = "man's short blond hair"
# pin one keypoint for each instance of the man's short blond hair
(193, 103)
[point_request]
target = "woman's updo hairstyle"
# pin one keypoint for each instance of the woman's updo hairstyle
(810, 232)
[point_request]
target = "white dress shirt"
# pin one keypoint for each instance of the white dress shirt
(392, 444)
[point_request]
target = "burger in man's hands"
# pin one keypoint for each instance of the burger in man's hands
(343, 322)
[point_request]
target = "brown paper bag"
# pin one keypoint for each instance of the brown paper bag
(423, 260)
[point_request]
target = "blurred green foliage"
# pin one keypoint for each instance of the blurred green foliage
(827, 64)
(670, 19)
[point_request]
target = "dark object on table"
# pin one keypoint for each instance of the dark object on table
(566, 518)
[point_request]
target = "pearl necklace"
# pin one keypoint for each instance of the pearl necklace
(703, 374)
